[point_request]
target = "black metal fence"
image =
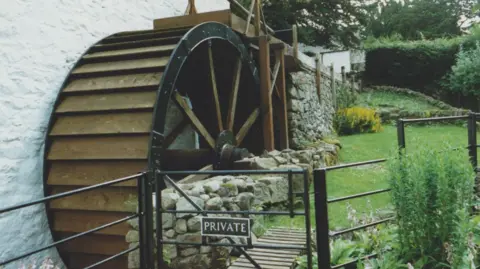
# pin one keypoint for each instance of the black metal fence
(324, 235)
(150, 182)
(141, 182)
(162, 177)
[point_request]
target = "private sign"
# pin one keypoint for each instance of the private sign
(234, 227)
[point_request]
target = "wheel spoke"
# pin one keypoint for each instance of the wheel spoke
(215, 90)
(194, 178)
(247, 125)
(233, 97)
(194, 120)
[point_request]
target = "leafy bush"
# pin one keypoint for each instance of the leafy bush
(465, 77)
(346, 97)
(356, 120)
(417, 64)
(432, 193)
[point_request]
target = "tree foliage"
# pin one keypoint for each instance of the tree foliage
(328, 23)
(419, 19)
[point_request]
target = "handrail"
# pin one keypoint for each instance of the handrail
(137, 176)
(70, 193)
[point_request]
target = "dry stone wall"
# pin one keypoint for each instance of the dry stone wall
(228, 193)
(310, 114)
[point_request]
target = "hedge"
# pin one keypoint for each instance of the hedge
(416, 65)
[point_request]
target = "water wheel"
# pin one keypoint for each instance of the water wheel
(176, 99)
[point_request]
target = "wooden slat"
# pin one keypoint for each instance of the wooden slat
(84, 148)
(266, 98)
(272, 258)
(105, 102)
(94, 244)
(114, 82)
(121, 123)
(84, 173)
(122, 65)
(132, 51)
(104, 199)
(148, 34)
(82, 221)
(78, 261)
(222, 16)
(285, 263)
(137, 43)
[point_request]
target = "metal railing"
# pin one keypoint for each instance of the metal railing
(140, 177)
(163, 176)
(324, 235)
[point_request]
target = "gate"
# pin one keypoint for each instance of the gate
(243, 224)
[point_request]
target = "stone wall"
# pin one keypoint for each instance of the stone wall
(40, 42)
(229, 193)
(310, 115)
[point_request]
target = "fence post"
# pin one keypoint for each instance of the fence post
(150, 245)
(472, 139)
(321, 218)
(141, 221)
(333, 86)
(401, 135)
(344, 77)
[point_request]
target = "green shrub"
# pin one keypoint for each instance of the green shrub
(355, 120)
(465, 75)
(419, 65)
(432, 193)
(346, 97)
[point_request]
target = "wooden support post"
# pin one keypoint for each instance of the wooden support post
(318, 78)
(191, 9)
(258, 16)
(295, 42)
(252, 6)
(265, 97)
(333, 85)
(282, 107)
(344, 78)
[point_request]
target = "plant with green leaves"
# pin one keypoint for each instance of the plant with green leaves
(465, 77)
(432, 194)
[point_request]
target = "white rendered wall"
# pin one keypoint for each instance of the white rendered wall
(40, 40)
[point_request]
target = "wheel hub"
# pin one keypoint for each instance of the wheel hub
(227, 152)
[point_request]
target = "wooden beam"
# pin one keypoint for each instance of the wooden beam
(247, 125)
(194, 120)
(214, 88)
(258, 17)
(222, 16)
(233, 96)
(191, 9)
(276, 69)
(295, 42)
(265, 97)
(195, 178)
(250, 13)
(282, 108)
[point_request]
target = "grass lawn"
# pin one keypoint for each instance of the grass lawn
(393, 100)
(365, 147)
